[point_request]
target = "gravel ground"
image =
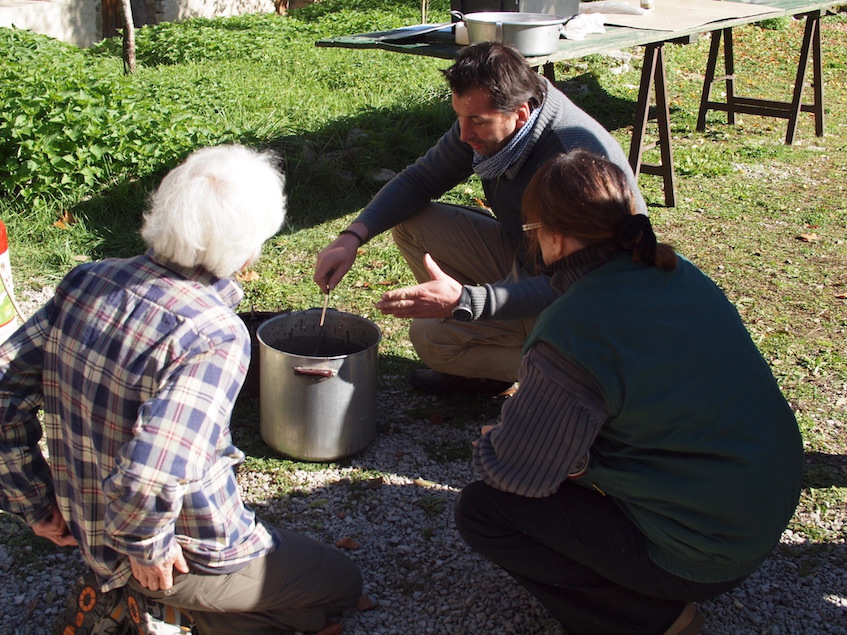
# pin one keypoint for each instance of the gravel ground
(393, 503)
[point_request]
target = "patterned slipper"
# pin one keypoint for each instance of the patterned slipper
(155, 618)
(92, 612)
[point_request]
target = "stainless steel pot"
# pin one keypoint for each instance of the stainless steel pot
(530, 33)
(318, 384)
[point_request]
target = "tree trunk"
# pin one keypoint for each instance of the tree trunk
(128, 37)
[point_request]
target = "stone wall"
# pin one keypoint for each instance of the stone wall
(80, 22)
(174, 10)
(76, 21)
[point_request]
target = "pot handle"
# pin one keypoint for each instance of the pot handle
(318, 373)
(458, 15)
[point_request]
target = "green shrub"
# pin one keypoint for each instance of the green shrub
(202, 39)
(73, 124)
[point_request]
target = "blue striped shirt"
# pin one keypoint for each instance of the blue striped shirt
(136, 364)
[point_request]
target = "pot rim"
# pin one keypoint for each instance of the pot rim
(312, 315)
(514, 18)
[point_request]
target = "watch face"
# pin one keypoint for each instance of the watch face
(462, 314)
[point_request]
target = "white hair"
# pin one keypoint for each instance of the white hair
(216, 209)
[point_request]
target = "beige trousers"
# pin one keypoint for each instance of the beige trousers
(470, 246)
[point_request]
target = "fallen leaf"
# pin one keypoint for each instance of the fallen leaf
(808, 238)
(364, 603)
(81, 258)
(33, 604)
(247, 276)
(66, 221)
(374, 483)
(422, 482)
(841, 296)
(347, 543)
(436, 418)
(366, 484)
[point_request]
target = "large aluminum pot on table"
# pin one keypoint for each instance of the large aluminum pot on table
(318, 384)
(531, 33)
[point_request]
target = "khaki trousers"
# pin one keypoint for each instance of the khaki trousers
(294, 588)
(470, 246)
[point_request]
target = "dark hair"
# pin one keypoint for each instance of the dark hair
(501, 70)
(586, 196)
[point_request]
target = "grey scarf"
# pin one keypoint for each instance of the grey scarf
(494, 166)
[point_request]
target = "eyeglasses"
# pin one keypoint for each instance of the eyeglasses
(530, 226)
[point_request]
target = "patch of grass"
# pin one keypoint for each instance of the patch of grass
(445, 451)
(820, 514)
(431, 504)
(25, 545)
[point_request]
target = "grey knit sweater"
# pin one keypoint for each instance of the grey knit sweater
(561, 127)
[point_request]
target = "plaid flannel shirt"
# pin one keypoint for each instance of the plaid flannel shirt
(136, 364)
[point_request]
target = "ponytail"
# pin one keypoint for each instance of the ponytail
(634, 233)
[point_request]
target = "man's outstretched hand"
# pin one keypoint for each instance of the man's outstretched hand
(434, 299)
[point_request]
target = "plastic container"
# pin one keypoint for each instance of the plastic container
(8, 312)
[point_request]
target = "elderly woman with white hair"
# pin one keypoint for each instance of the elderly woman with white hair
(136, 364)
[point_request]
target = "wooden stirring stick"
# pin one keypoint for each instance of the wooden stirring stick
(326, 303)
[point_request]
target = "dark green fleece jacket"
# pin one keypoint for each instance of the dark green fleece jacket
(701, 449)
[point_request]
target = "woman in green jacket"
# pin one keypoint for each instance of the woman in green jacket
(649, 459)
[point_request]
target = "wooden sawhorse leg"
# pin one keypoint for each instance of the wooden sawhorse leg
(653, 74)
(811, 40)
(710, 79)
(766, 107)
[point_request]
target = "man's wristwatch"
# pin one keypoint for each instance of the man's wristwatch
(462, 313)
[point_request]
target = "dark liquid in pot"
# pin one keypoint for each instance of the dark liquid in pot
(316, 346)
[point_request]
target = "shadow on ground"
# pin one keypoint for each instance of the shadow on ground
(825, 470)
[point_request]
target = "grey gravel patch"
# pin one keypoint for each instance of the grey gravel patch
(396, 502)
(30, 300)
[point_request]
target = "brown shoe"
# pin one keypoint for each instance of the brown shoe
(689, 622)
(331, 628)
(437, 383)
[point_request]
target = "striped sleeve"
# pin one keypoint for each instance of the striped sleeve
(545, 429)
